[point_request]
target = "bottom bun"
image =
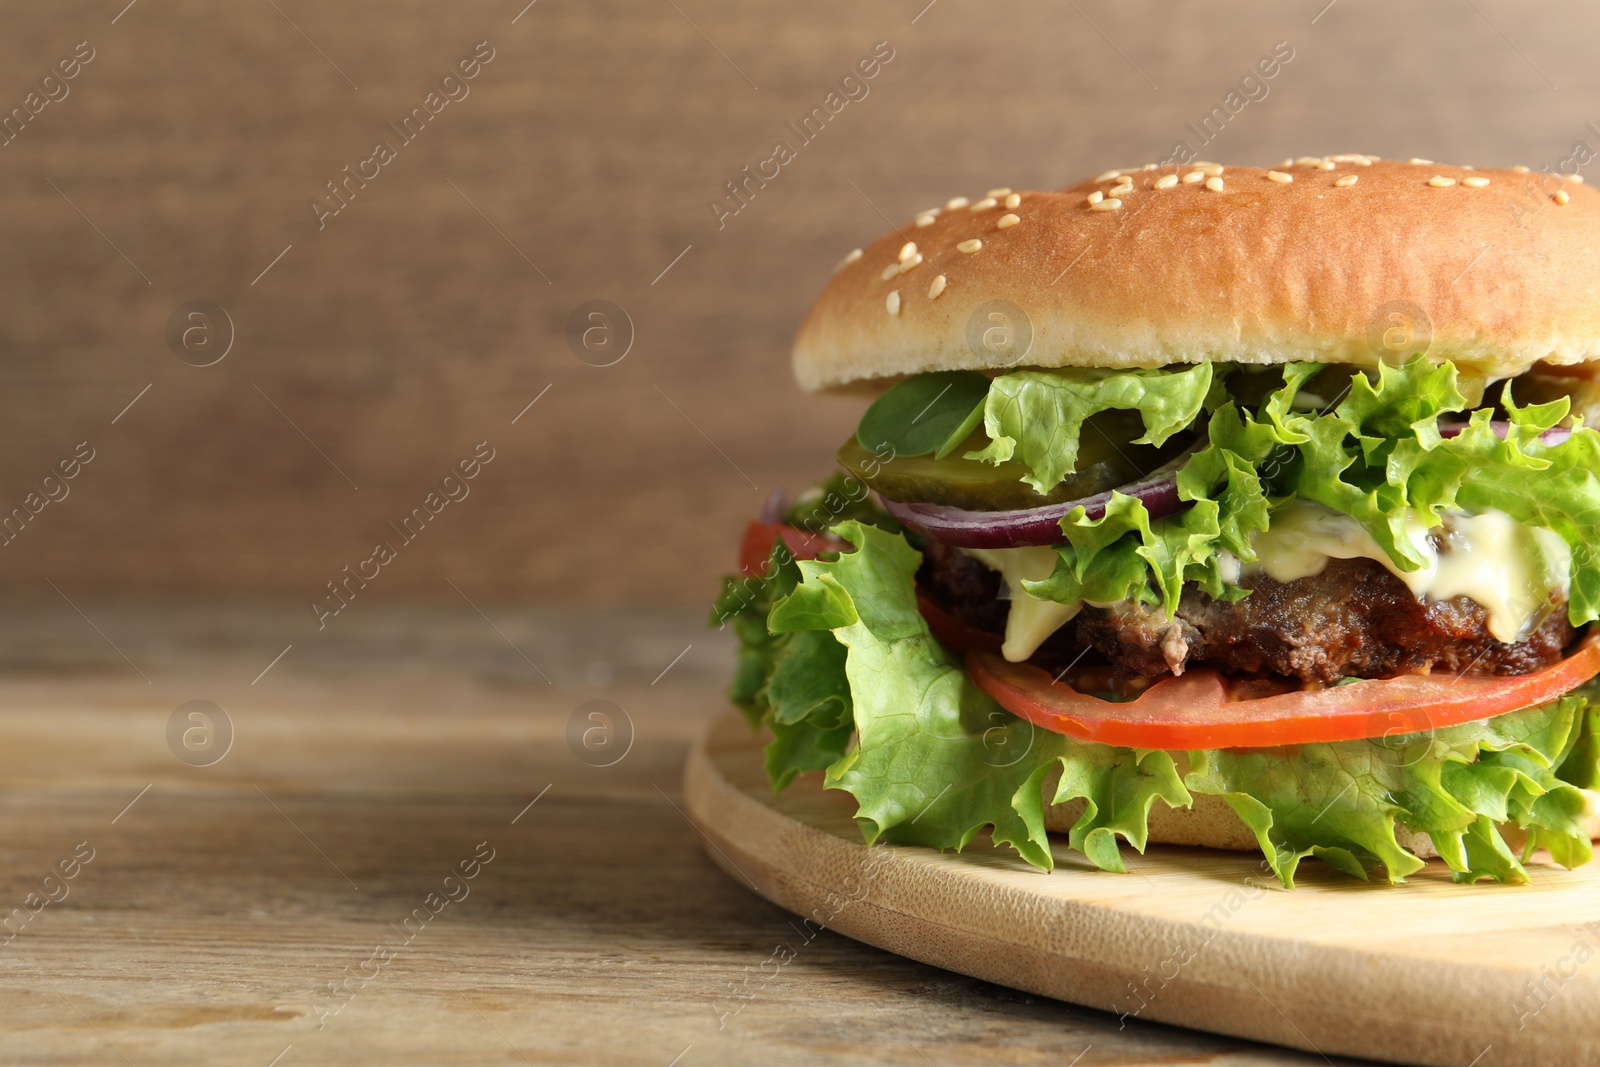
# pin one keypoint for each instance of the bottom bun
(1212, 823)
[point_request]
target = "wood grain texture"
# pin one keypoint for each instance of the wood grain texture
(420, 321)
(1430, 973)
(216, 909)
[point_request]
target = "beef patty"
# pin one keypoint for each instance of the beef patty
(1355, 619)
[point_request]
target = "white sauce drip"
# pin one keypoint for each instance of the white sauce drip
(1030, 620)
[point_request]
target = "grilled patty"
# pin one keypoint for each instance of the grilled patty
(1355, 619)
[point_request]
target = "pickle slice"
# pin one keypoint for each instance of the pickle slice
(1105, 461)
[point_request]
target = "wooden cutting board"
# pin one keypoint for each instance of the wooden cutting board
(1429, 972)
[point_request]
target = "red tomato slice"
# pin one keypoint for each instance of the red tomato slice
(1194, 712)
(951, 632)
(755, 551)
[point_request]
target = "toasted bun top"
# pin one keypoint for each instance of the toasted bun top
(1346, 259)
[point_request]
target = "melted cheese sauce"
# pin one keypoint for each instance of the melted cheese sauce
(1029, 621)
(1508, 568)
(1490, 558)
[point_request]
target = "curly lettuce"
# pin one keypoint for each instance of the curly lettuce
(932, 760)
(1379, 455)
(1037, 416)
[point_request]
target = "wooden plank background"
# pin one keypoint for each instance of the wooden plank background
(184, 157)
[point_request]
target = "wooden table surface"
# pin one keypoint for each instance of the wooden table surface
(221, 902)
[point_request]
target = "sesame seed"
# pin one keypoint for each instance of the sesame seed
(890, 271)
(1214, 184)
(1194, 176)
(1475, 182)
(853, 255)
(1561, 197)
(1095, 197)
(1362, 161)
(908, 250)
(1577, 178)
(930, 211)
(1004, 190)
(1013, 199)
(925, 220)
(1166, 181)
(936, 288)
(1421, 162)
(1288, 162)
(893, 303)
(1108, 175)
(1213, 170)
(1468, 166)
(1520, 169)
(1326, 164)
(1006, 221)
(955, 202)
(1122, 190)
(1345, 182)
(985, 204)
(1308, 161)
(969, 246)
(907, 264)
(1280, 176)
(1439, 181)
(1106, 205)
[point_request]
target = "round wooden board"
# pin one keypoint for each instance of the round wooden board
(1429, 972)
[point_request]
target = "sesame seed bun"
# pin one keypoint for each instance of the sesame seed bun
(1212, 823)
(1493, 269)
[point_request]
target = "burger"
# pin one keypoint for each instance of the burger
(1208, 506)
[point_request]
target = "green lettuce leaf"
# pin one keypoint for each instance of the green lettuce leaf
(1342, 801)
(1567, 497)
(934, 761)
(1125, 555)
(932, 412)
(1036, 416)
(1118, 787)
(1116, 556)
(792, 682)
(1379, 456)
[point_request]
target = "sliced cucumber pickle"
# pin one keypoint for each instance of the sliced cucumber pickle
(1105, 461)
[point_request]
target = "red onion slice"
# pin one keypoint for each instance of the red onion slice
(1501, 427)
(962, 528)
(773, 510)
